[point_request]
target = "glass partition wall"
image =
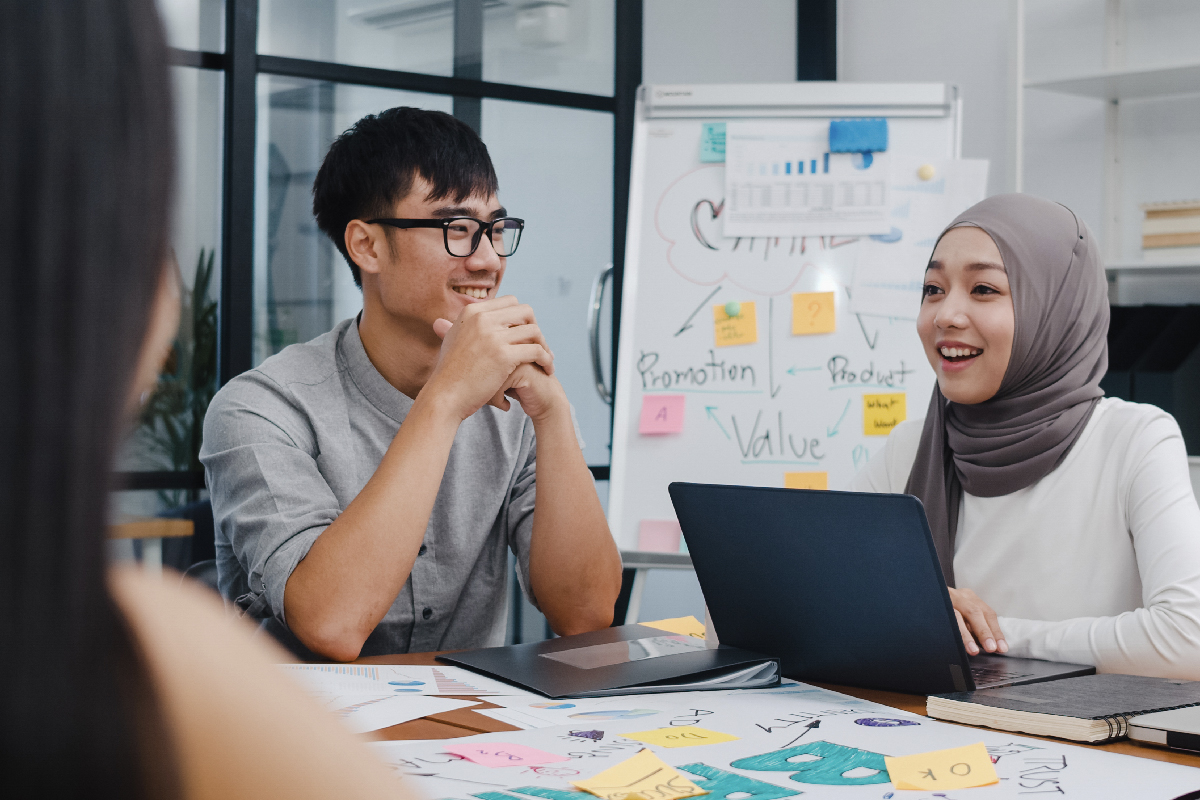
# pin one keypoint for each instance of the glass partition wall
(264, 86)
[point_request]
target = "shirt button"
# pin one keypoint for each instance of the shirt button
(427, 613)
(421, 552)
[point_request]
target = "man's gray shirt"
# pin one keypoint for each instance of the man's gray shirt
(288, 445)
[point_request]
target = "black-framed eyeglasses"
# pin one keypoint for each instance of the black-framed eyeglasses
(462, 235)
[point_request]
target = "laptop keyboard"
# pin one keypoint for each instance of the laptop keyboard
(995, 674)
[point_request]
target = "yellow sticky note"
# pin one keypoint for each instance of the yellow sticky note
(643, 777)
(813, 312)
(958, 768)
(684, 626)
(742, 329)
(806, 480)
(882, 412)
(683, 736)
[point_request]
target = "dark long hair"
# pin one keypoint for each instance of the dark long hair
(86, 166)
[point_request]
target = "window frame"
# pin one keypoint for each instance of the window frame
(242, 64)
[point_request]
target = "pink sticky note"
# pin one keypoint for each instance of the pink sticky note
(659, 535)
(661, 413)
(503, 754)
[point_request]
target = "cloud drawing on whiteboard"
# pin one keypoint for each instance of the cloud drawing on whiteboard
(688, 218)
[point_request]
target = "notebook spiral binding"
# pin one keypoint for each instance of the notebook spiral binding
(1118, 724)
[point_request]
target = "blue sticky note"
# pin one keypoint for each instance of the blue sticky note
(868, 135)
(712, 143)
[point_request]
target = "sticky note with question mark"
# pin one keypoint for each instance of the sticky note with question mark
(813, 312)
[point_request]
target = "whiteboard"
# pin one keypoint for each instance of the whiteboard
(787, 403)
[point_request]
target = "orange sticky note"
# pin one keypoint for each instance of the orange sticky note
(661, 413)
(643, 777)
(813, 312)
(806, 480)
(882, 412)
(740, 329)
(682, 736)
(684, 626)
(958, 768)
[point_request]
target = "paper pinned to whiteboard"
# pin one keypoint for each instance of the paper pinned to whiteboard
(782, 180)
(890, 269)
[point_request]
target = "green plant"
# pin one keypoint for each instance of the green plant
(171, 423)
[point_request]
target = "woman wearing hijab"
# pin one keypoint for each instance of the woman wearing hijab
(115, 685)
(1064, 520)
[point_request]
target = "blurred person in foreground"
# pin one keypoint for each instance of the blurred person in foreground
(115, 684)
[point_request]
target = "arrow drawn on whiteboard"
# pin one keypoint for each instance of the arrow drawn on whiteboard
(688, 322)
(793, 370)
(708, 410)
(834, 430)
(863, 326)
(771, 346)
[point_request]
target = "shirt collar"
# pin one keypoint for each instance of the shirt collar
(386, 398)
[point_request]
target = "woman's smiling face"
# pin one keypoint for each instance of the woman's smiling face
(966, 320)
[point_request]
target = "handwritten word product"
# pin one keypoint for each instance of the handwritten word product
(957, 768)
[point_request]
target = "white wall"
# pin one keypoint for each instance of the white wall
(968, 43)
(719, 41)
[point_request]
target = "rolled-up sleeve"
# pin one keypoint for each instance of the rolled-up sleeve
(270, 500)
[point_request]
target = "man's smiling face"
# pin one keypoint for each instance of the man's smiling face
(421, 281)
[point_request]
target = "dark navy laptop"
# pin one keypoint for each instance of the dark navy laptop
(843, 587)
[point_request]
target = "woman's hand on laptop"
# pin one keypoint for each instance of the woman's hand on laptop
(977, 623)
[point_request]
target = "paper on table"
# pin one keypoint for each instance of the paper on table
(890, 269)
(957, 768)
(686, 626)
(504, 754)
(370, 712)
(642, 777)
(394, 679)
(882, 412)
(740, 329)
(682, 736)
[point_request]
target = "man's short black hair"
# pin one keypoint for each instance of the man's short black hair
(371, 166)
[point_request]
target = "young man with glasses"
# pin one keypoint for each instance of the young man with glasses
(368, 485)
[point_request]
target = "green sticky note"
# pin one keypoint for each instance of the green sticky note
(712, 143)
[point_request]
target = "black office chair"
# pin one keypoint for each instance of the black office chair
(195, 557)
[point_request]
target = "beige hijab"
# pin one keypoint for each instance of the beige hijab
(1052, 384)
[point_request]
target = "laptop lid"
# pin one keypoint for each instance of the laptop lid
(843, 587)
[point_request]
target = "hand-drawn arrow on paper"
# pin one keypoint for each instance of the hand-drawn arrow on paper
(816, 723)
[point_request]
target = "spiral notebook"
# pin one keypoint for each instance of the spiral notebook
(1093, 708)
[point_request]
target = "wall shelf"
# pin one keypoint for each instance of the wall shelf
(1126, 84)
(1152, 267)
